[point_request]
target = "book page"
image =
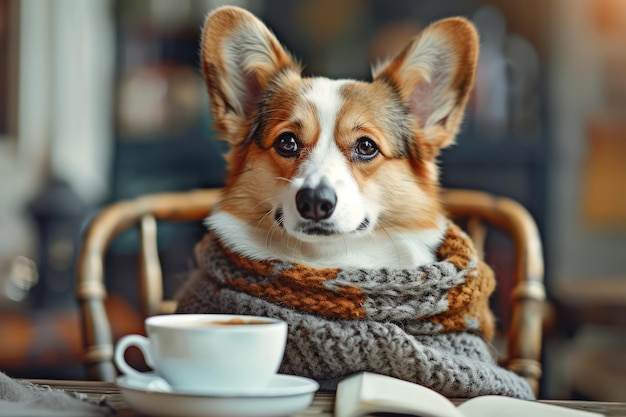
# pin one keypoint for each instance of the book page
(366, 393)
(497, 406)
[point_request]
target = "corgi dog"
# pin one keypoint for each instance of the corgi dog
(334, 173)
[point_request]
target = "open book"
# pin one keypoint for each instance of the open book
(367, 393)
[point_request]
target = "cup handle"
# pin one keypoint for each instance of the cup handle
(143, 344)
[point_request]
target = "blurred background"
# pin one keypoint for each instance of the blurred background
(102, 100)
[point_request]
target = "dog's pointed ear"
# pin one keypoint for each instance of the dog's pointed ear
(434, 75)
(239, 57)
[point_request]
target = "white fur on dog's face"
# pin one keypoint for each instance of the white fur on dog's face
(361, 187)
(326, 163)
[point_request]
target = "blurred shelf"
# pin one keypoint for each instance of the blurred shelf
(167, 165)
(471, 149)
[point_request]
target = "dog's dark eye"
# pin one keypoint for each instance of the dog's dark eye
(365, 148)
(287, 145)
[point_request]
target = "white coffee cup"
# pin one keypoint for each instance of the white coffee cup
(208, 352)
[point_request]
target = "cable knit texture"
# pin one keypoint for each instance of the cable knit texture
(430, 325)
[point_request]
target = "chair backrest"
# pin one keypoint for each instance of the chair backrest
(527, 291)
(90, 287)
(480, 209)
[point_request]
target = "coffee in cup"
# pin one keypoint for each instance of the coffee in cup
(208, 352)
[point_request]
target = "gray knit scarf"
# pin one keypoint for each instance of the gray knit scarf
(430, 325)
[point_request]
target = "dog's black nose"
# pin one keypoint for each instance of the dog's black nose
(316, 203)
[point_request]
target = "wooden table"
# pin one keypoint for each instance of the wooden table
(322, 405)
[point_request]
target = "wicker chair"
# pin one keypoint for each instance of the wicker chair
(481, 210)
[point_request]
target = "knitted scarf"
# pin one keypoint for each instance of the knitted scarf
(430, 325)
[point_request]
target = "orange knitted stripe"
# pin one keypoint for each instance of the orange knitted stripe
(470, 300)
(258, 268)
(300, 287)
(484, 314)
(456, 248)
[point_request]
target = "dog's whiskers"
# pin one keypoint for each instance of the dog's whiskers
(289, 180)
(298, 251)
(384, 228)
(269, 236)
(263, 217)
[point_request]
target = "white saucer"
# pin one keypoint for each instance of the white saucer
(285, 395)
